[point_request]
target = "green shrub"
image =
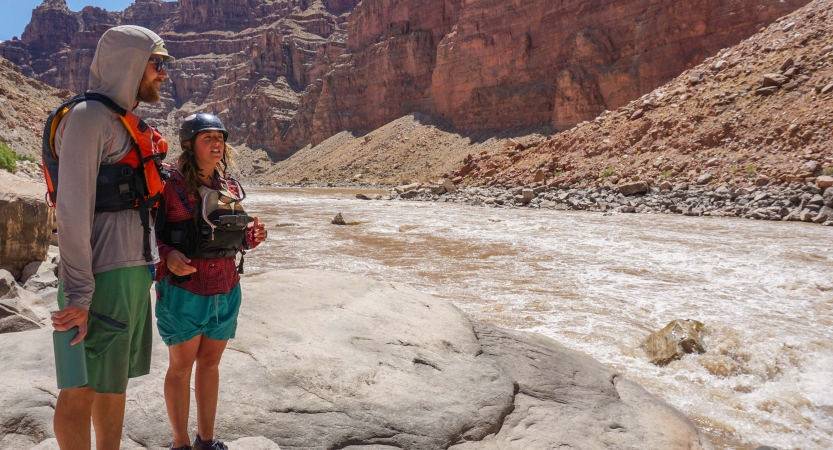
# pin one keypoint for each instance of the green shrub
(608, 172)
(8, 159)
(828, 171)
(29, 158)
(665, 174)
(750, 169)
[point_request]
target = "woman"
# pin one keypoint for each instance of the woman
(198, 291)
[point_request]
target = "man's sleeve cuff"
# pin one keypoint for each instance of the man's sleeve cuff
(79, 303)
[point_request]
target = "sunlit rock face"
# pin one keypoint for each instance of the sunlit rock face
(497, 64)
(287, 73)
(246, 61)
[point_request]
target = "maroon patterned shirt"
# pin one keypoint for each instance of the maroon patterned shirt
(214, 275)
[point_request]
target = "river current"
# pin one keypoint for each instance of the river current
(600, 284)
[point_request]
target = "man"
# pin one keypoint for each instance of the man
(105, 278)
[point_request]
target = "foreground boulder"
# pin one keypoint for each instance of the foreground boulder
(325, 360)
(20, 310)
(678, 338)
(40, 282)
(37, 268)
(25, 223)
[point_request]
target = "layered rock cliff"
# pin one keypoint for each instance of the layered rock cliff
(758, 113)
(247, 62)
(497, 64)
(287, 73)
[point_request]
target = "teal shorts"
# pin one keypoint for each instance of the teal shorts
(182, 315)
(119, 337)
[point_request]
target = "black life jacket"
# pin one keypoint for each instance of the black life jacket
(134, 182)
(217, 229)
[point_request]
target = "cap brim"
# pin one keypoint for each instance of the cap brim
(162, 51)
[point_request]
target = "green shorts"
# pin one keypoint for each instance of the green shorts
(182, 315)
(119, 337)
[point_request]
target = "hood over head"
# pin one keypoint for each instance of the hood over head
(120, 60)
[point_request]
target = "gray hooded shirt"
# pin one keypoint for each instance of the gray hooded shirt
(90, 135)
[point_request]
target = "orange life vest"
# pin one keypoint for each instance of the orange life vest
(134, 182)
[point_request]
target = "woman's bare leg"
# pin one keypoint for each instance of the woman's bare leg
(207, 384)
(178, 387)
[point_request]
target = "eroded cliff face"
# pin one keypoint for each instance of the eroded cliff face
(754, 115)
(248, 61)
(287, 73)
(497, 64)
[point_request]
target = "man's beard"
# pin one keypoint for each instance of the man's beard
(149, 92)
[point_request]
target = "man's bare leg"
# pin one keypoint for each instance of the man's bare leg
(108, 419)
(72, 418)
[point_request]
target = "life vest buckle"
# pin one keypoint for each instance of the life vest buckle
(125, 193)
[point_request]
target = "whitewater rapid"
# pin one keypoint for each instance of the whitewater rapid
(600, 284)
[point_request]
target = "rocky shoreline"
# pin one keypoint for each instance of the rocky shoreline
(804, 202)
(799, 202)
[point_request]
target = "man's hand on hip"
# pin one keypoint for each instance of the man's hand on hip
(69, 318)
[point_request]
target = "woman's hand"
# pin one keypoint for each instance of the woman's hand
(259, 231)
(178, 264)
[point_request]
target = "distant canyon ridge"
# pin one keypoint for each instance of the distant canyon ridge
(284, 74)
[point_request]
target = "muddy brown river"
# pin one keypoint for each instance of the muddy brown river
(600, 284)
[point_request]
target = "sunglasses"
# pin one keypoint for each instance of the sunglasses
(160, 64)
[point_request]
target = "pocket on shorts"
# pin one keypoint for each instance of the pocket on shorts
(101, 334)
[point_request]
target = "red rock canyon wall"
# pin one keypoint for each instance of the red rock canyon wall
(497, 63)
(247, 61)
(286, 73)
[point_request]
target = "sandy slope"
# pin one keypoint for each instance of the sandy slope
(416, 147)
(24, 105)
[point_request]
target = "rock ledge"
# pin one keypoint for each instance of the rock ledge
(328, 360)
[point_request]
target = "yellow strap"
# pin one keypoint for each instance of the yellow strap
(55, 121)
(129, 128)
